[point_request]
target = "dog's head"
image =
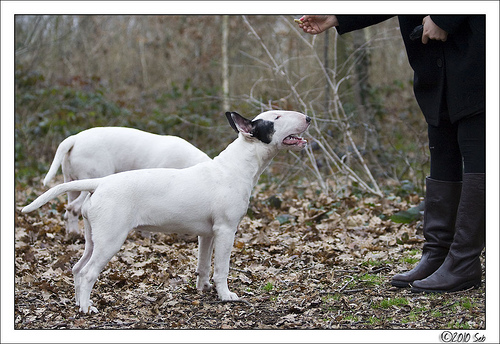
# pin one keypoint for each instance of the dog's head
(278, 128)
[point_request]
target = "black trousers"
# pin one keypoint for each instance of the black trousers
(458, 148)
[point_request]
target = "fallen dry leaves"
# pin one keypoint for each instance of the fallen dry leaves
(301, 259)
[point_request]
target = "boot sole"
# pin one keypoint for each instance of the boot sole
(400, 284)
(463, 286)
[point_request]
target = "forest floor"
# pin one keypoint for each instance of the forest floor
(301, 260)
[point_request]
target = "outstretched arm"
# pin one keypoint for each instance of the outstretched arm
(315, 24)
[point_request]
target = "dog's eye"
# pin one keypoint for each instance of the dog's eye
(277, 117)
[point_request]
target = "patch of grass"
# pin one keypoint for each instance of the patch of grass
(410, 257)
(445, 309)
(436, 313)
(414, 315)
(334, 297)
(453, 305)
(421, 309)
(458, 325)
(352, 318)
(466, 303)
(375, 263)
(268, 287)
(370, 280)
(373, 320)
(410, 260)
(387, 303)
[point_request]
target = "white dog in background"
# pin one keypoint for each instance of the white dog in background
(208, 200)
(99, 152)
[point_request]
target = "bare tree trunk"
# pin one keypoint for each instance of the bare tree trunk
(225, 64)
(361, 70)
(327, 85)
(362, 89)
(145, 78)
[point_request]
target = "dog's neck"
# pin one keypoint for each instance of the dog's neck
(247, 159)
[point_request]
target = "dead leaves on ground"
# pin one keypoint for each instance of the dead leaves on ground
(301, 259)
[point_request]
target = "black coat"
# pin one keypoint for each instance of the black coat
(450, 77)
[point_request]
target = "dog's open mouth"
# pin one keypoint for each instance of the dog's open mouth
(294, 140)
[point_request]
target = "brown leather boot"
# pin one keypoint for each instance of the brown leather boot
(441, 203)
(462, 266)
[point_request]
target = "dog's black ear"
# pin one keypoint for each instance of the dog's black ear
(230, 120)
(239, 123)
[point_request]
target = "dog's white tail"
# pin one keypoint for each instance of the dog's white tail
(77, 185)
(63, 149)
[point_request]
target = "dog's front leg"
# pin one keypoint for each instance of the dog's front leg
(205, 249)
(224, 238)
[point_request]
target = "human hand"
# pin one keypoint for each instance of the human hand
(432, 31)
(315, 24)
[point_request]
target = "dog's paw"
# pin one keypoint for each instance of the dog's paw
(229, 296)
(206, 286)
(88, 310)
(86, 307)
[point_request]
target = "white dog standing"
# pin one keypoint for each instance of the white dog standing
(99, 152)
(208, 200)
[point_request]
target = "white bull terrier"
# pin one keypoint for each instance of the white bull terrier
(99, 152)
(208, 200)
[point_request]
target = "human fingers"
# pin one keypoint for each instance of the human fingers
(431, 31)
(425, 38)
(305, 23)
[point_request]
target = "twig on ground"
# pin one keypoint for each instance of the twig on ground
(353, 290)
(379, 269)
(240, 270)
(345, 285)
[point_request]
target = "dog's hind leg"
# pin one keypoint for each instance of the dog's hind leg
(73, 210)
(223, 241)
(89, 247)
(205, 249)
(108, 244)
(71, 215)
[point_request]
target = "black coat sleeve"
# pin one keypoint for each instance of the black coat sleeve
(450, 24)
(348, 23)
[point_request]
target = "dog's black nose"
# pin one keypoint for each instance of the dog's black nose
(308, 119)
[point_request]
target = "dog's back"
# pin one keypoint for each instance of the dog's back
(101, 151)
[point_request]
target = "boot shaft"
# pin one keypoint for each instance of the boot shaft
(469, 239)
(441, 204)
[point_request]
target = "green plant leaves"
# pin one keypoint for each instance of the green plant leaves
(408, 216)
